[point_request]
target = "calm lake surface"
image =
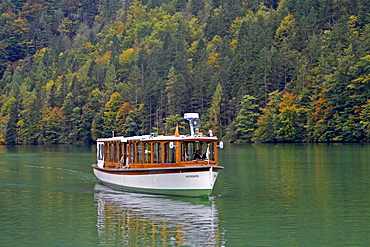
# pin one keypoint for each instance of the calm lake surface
(267, 195)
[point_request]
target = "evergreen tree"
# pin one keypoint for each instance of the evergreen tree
(110, 114)
(365, 119)
(268, 122)
(291, 118)
(246, 121)
(11, 128)
(52, 126)
(171, 123)
(131, 128)
(171, 91)
(215, 110)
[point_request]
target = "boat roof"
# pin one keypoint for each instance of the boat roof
(153, 138)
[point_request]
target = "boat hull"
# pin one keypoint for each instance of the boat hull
(185, 181)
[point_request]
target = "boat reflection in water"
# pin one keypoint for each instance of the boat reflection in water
(140, 219)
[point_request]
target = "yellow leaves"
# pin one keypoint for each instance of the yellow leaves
(58, 80)
(352, 21)
(366, 79)
(353, 24)
(20, 26)
(128, 55)
(216, 41)
(286, 28)
(288, 99)
(96, 91)
(21, 124)
(236, 25)
(2, 139)
(7, 15)
(8, 105)
(233, 44)
(105, 59)
(193, 46)
(321, 110)
(31, 8)
(40, 53)
(48, 85)
(84, 70)
(122, 113)
(363, 79)
(54, 117)
(357, 109)
(66, 26)
(120, 29)
(213, 59)
(138, 12)
(288, 106)
(196, 28)
(163, 24)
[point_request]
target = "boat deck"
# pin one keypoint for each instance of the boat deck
(172, 168)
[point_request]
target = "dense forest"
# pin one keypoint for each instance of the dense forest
(256, 71)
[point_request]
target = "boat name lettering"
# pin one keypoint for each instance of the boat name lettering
(192, 176)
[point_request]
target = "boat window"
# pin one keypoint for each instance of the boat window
(121, 156)
(187, 151)
(100, 151)
(157, 152)
(112, 152)
(132, 153)
(147, 152)
(169, 153)
(210, 150)
(193, 150)
(139, 152)
(105, 152)
(117, 157)
(126, 153)
(118, 152)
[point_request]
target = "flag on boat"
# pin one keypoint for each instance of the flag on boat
(177, 131)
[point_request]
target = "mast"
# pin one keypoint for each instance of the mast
(194, 122)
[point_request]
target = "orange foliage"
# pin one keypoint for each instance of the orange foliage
(120, 29)
(105, 59)
(123, 112)
(322, 109)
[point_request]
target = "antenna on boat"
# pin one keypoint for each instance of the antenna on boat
(194, 122)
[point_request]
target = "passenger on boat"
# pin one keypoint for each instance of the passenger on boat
(199, 155)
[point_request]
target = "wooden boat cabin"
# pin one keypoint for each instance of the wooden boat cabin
(150, 151)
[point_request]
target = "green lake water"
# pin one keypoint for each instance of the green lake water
(267, 195)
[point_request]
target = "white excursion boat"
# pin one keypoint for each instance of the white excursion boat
(175, 165)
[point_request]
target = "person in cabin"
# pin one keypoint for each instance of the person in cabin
(199, 155)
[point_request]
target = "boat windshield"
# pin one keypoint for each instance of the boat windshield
(197, 150)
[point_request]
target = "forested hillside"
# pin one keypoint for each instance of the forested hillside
(266, 71)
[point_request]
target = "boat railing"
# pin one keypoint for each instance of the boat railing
(120, 163)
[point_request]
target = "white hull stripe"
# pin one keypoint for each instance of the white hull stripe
(200, 180)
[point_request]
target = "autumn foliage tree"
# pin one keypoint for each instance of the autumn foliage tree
(74, 71)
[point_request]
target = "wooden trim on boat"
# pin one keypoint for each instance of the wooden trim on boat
(151, 170)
